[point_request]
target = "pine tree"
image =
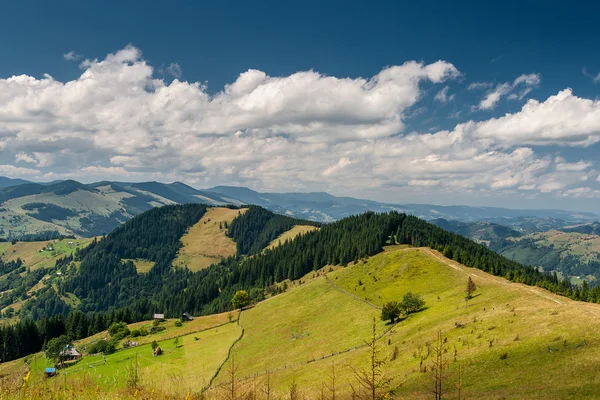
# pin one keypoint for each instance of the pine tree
(471, 287)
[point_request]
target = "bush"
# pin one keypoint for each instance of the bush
(98, 347)
(118, 330)
(178, 323)
(135, 333)
(111, 347)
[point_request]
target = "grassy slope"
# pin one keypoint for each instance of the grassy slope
(502, 310)
(315, 319)
(34, 258)
(205, 243)
(570, 243)
(203, 346)
(291, 235)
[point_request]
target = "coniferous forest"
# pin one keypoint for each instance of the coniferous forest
(111, 290)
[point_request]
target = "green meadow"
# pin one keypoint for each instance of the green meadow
(509, 341)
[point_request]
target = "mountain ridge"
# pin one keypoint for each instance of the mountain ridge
(106, 204)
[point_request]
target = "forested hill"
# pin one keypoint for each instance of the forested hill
(108, 288)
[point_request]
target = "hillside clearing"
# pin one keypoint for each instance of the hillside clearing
(291, 235)
(141, 266)
(205, 243)
(43, 254)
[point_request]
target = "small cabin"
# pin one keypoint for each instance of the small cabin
(50, 372)
(128, 343)
(186, 317)
(70, 353)
(159, 317)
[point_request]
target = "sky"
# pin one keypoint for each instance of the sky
(467, 102)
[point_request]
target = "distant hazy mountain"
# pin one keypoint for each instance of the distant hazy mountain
(70, 207)
(480, 231)
(325, 207)
(5, 182)
(588, 229)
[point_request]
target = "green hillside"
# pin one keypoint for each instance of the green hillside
(300, 335)
(572, 254)
(73, 208)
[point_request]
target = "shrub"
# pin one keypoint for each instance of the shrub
(178, 323)
(98, 347)
(118, 330)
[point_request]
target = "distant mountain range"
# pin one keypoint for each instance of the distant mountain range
(70, 207)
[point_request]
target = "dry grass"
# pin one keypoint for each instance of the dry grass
(32, 256)
(291, 235)
(141, 266)
(205, 243)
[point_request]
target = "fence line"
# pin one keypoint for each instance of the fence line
(350, 294)
(214, 376)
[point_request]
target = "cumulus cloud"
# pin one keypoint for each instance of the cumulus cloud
(443, 97)
(563, 119)
(305, 131)
(24, 157)
(518, 89)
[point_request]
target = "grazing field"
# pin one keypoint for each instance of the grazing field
(586, 246)
(43, 254)
(205, 243)
(507, 328)
(509, 340)
(291, 235)
(183, 367)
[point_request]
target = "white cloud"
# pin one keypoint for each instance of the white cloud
(341, 164)
(563, 119)
(24, 157)
(11, 170)
(480, 85)
(594, 78)
(305, 131)
(523, 85)
(442, 95)
(175, 70)
(423, 182)
(575, 167)
(72, 56)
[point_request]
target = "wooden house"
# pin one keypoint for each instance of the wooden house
(159, 317)
(69, 353)
(186, 317)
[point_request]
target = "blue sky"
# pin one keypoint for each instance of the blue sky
(309, 106)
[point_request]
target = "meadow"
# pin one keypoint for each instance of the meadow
(205, 243)
(508, 341)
